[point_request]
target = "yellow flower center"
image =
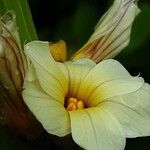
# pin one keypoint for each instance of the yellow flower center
(74, 104)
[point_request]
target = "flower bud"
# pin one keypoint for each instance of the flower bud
(58, 51)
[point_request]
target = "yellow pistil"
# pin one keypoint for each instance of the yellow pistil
(74, 104)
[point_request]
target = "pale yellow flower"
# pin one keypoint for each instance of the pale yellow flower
(99, 104)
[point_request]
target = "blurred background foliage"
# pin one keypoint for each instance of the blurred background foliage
(74, 21)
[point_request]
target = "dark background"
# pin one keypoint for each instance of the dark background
(74, 21)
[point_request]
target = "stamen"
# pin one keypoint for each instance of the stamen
(74, 104)
(80, 105)
(72, 100)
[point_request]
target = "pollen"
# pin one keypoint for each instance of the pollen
(74, 104)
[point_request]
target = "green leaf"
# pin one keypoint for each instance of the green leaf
(24, 19)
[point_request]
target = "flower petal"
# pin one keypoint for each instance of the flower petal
(77, 71)
(48, 111)
(51, 78)
(85, 61)
(114, 88)
(112, 32)
(105, 71)
(133, 111)
(97, 129)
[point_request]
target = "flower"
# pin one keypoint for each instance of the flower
(99, 104)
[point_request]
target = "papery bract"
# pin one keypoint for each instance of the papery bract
(13, 66)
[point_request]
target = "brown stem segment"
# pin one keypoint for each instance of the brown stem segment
(13, 65)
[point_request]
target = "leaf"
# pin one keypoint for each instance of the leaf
(24, 19)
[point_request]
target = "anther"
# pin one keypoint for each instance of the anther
(74, 104)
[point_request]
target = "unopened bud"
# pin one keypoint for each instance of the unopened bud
(59, 51)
